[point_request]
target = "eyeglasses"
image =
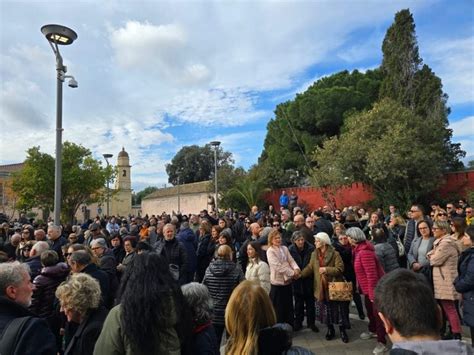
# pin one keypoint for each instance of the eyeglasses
(468, 211)
(276, 224)
(337, 212)
(435, 228)
(67, 255)
(442, 214)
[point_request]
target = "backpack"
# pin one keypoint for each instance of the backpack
(12, 334)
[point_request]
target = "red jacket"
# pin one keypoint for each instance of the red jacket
(367, 268)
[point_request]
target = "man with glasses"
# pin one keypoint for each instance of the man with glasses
(450, 209)
(411, 231)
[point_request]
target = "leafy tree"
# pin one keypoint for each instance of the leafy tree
(470, 164)
(245, 193)
(413, 87)
(83, 180)
(194, 164)
(389, 148)
(304, 123)
(137, 198)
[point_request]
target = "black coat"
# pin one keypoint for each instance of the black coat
(323, 225)
(102, 277)
(302, 258)
(464, 284)
(204, 340)
(221, 277)
(86, 335)
(36, 337)
(46, 283)
(188, 239)
(35, 266)
(346, 256)
(204, 256)
(175, 253)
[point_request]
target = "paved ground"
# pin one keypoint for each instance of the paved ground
(320, 346)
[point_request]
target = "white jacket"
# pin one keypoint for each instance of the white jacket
(259, 272)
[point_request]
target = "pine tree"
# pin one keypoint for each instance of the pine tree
(414, 86)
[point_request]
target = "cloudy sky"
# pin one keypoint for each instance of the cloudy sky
(155, 76)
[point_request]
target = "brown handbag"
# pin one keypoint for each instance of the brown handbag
(340, 291)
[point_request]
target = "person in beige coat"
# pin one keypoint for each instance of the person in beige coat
(326, 266)
(283, 270)
(444, 260)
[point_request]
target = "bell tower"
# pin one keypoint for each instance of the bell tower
(122, 200)
(123, 174)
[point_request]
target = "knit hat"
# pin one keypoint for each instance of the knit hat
(323, 237)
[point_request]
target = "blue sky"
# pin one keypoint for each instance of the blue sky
(155, 76)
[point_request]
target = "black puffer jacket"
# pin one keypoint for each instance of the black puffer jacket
(46, 283)
(221, 277)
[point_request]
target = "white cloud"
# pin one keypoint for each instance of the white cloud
(463, 127)
(452, 60)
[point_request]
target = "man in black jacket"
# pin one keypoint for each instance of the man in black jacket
(174, 251)
(81, 261)
(34, 337)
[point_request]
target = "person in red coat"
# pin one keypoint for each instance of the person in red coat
(368, 272)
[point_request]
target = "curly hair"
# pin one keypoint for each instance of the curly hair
(80, 293)
(159, 304)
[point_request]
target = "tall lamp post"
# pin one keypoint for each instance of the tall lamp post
(216, 145)
(59, 35)
(107, 157)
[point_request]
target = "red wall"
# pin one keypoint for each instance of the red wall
(357, 194)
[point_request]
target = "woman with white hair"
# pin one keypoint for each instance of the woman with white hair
(325, 266)
(368, 272)
(204, 340)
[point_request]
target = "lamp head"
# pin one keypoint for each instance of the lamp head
(107, 155)
(59, 34)
(215, 144)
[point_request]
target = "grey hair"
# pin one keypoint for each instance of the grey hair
(356, 234)
(11, 274)
(444, 225)
(56, 228)
(198, 299)
(81, 257)
(40, 247)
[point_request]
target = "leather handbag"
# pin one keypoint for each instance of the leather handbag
(340, 291)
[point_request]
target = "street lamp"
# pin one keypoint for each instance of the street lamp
(59, 35)
(107, 157)
(216, 145)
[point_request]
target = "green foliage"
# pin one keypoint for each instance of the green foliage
(137, 198)
(303, 124)
(83, 179)
(418, 89)
(389, 148)
(194, 164)
(245, 193)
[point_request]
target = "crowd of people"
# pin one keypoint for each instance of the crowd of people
(239, 282)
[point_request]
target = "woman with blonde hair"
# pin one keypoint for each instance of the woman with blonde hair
(283, 270)
(250, 321)
(80, 301)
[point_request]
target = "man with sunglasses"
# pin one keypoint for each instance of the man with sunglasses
(469, 216)
(411, 231)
